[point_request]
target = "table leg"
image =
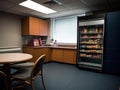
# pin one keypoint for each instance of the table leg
(7, 72)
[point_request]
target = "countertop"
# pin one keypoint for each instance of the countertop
(57, 47)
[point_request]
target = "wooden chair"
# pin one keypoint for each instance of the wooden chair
(1, 67)
(3, 80)
(22, 65)
(27, 75)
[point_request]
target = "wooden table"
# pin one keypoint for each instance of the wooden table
(8, 58)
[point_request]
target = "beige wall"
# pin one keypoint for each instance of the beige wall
(10, 30)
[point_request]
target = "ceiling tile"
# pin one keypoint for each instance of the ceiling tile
(15, 1)
(21, 9)
(16, 12)
(68, 1)
(77, 4)
(58, 7)
(68, 7)
(37, 14)
(66, 13)
(41, 1)
(96, 4)
(5, 5)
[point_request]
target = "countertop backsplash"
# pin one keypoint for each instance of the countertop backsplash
(34, 40)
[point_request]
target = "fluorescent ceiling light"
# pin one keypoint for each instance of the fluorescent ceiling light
(36, 6)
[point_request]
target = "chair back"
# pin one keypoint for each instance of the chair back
(38, 65)
(3, 81)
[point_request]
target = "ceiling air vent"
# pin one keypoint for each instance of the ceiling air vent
(53, 2)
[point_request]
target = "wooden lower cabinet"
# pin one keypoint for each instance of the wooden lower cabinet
(57, 55)
(40, 51)
(53, 54)
(36, 52)
(69, 56)
(64, 55)
(47, 52)
(29, 51)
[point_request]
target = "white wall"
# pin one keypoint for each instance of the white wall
(10, 30)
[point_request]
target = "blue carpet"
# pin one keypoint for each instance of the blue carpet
(68, 77)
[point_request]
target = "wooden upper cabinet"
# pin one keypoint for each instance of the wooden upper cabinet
(43, 27)
(34, 26)
(30, 26)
